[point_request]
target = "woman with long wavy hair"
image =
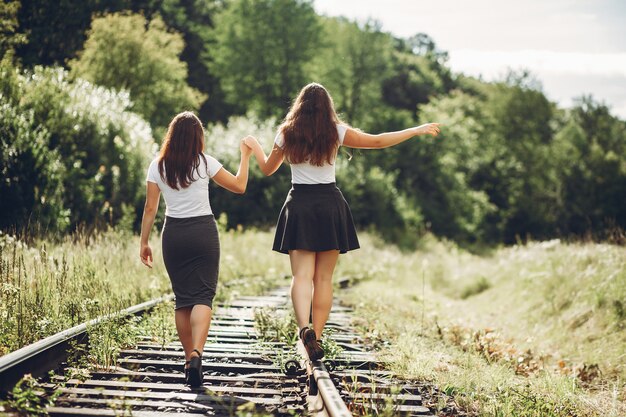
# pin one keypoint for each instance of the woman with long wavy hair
(189, 240)
(315, 224)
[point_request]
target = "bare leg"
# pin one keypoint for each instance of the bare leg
(200, 320)
(323, 288)
(302, 268)
(183, 327)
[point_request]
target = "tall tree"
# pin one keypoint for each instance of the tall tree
(9, 36)
(592, 158)
(194, 20)
(435, 173)
(520, 178)
(127, 52)
(353, 64)
(261, 50)
(419, 73)
(57, 29)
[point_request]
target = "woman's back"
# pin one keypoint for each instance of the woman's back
(307, 173)
(192, 200)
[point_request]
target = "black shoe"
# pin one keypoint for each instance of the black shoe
(194, 371)
(186, 369)
(309, 340)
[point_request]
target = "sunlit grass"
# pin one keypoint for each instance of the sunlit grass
(48, 287)
(515, 333)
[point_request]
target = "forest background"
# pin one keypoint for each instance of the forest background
(88, 88)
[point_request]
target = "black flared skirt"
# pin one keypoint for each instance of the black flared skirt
(317, 218)
(191, 253)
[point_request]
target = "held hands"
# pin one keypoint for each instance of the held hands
(245, 148)
(427, 129)
(145, 253)
(252, 142)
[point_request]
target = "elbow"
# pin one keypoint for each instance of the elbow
(378, 143)
(150, 209)
(372, 141)
(241, 189)
(268, 170)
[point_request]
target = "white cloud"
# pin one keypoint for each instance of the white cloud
(491, 64)
(564, 75)
(562, 25)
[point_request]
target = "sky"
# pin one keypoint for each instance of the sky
(573, 47)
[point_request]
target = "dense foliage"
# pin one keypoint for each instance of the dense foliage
(9, 37)
(70, 152)
(261, 52)
(509, 165)
(143, 61)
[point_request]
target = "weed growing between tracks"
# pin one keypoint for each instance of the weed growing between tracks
(364, 400)
(116, 332)
(276, 325)
(279, 326)
(26, 398)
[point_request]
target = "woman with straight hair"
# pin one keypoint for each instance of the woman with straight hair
(189, 240)
(315, 224)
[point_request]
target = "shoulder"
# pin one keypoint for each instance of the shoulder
(213, 165)
(280, 138)
(154, 164)
(210, 159)
(153, 171)
(341, 130)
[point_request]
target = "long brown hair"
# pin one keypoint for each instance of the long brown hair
(181, 150)
(310, 127)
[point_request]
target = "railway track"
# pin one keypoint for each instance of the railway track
(244, 375)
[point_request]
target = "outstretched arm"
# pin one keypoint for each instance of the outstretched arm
(357, 139)
(236, 183)
(149, 213)
(268, 164)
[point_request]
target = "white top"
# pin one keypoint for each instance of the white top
(306, 173)
(191, 201)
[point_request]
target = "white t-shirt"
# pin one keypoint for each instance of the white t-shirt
(306, 173)
(192, 201)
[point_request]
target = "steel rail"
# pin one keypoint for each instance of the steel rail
(46, 354)
(324, 398)
(240, 370)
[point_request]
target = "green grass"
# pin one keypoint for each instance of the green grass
(48, 287)
(525, 331)
(535, 330)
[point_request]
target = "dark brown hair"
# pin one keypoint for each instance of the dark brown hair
(310, 128)
(182, 148)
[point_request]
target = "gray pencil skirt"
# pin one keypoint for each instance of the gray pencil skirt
(191, 253)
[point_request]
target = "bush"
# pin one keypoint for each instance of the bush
(376, 202)
(32, 186)
(72, 153)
